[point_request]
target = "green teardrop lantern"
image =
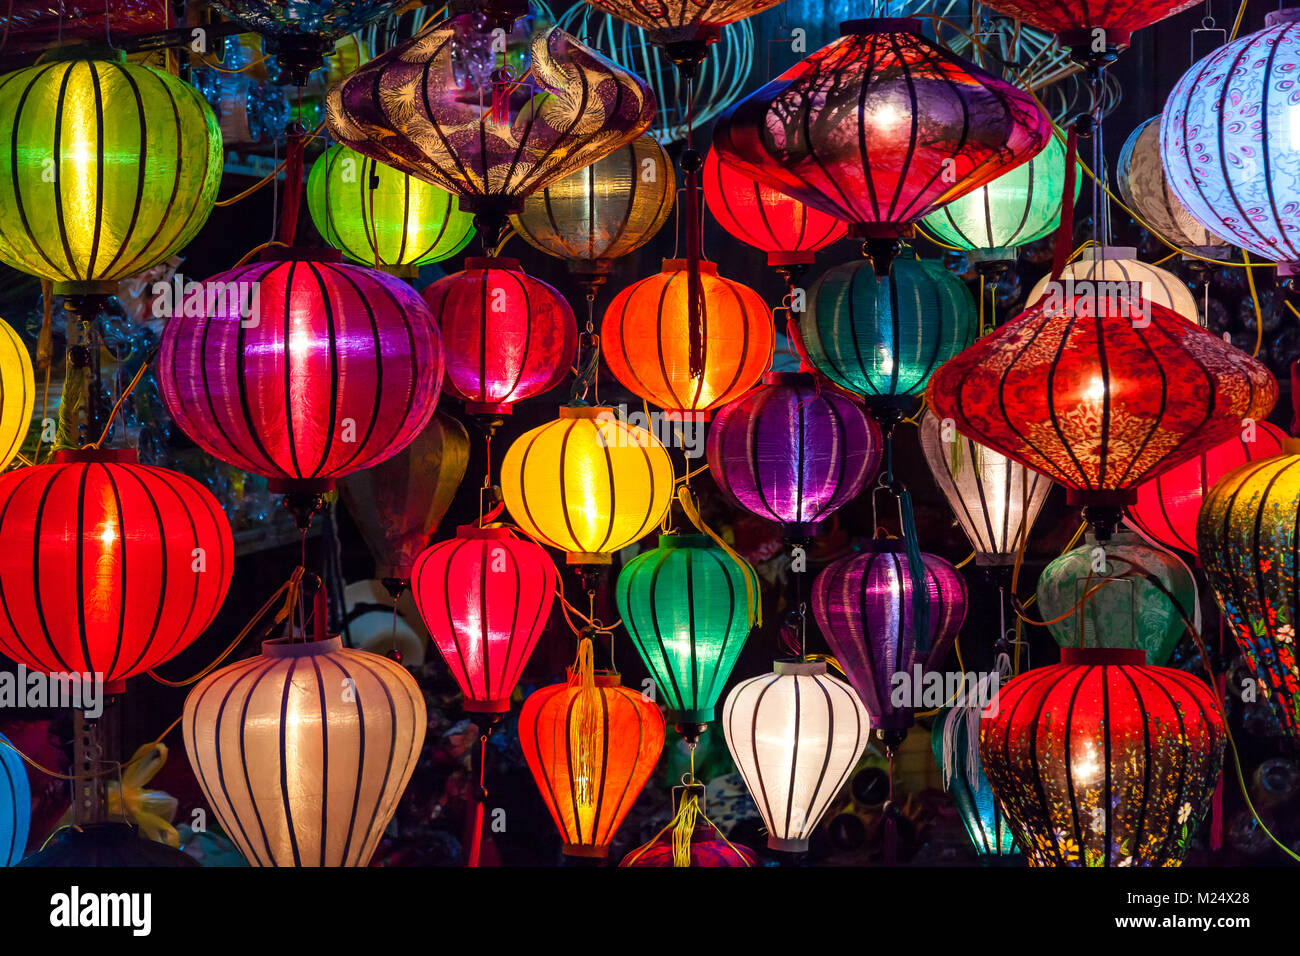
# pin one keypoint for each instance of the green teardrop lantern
(687, 606)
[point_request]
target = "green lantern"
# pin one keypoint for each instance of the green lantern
(687, 605)
(1142, 609)
(106, 168)
(883, 336)
(380, 216)
(1017, 208)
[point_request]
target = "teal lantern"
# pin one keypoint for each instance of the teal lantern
(956, 750)
(15, 805)
(1143, 608)
(688, 606)
(883, 336)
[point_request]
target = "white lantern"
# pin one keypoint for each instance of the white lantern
(1140, 174)
(796, 734)
(1120, 264)
(304, 751)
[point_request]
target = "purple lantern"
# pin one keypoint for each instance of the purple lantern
(793, 451)
(863, 605)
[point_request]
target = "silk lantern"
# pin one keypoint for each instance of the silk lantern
(707, 848)
(110, 567)
(1167, 506)
(1225, 139)
(303, 751)
(792, 452)
(302, 369)
(1102, 759)
(1140, 175)
(15, 804)
(865, 605)
(880, 128)
(1143, 605)
(485, 597)
(87, 202)
(1082, 24)
(587, 484)
(381, 217)
(688, 607)
(996, 500)
(882, 336)
(795, 734)
(688, 369)
(591, 748)
(1246, 536)
(17, 393)
(674, 24)
(1116, 271)
(507, 337)
(956, 750)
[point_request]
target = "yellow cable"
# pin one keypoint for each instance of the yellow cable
(1254, 301)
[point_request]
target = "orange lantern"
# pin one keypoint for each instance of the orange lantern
(687, 368)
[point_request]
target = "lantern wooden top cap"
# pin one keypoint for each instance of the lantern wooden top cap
(685, 541)
(798, 668)
(1291, 446)
(1091, 656)
(288, 647)
(1277, 18)
(872, 25)
(681, 265)
(587, 411)
(473, 532)
(104, 456)
(493, 262)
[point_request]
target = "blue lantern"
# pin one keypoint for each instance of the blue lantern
(956, 751)
(15, 804)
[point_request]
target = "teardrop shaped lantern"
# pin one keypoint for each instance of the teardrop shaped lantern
(996, 500)
(1083, 25)
(485, 597)
(17, 393)
(109, 567)
(1103, 760)
(1140, 175)
(587, 483)
(590, 749)
(688, 607)
(653, 349)
(1115, 270)
(303, 751)
(1167, 506)
(301, 369)
(882, 336)
(795, 734)
(1249, 547)
(708, 848)
(15, 805)
(772, 222)
(85, 203)
(507, 337)
(1225, 139)
(1100, 393)
(880, 128)
(865, 607)
(382, 217)
(1143, 606)
(792, 451)
(956, 750)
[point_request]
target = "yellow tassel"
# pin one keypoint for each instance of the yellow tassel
(752, 591)
(586, 710)
(683, 826)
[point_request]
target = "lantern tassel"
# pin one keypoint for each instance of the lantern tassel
(916, 569)
(751, 576)
(586, 708)
(683, 827)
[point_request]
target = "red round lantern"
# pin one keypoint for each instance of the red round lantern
(655, 351)
(780, 225)
(590, 749)
(109, 567)
(1077, 23)
(707, 848)
(507, 336)
(1167, 506)
(1102, 759)
(485, 597)
(301, 369)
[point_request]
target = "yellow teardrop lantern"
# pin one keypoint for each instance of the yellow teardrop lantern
(17, 393)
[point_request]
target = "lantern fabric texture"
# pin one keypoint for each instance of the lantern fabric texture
(485, 597)
(590, 750)
(1144, 607)
(688, 607)
(1103, 760)
(303, 751)
(772, 222)
(882, 337)
(682, 21)
(1246, 535)
(15, 805)
(795, 734)
(381, 217)
(109, 567)
(114, 198)
(1225, 141)
(506, 336)
(881, 127)
(653, 349)
(792, 451)
(587, 483)
(865, 605)
(304, 371)
(1076, 22)
(17, 393)
(1019, 207)
(1119, 264)
(398, 503)
(602, 212)
(956, 750)
(1103, 404)
(995, 500)
(707, 849)
(1140, 175)
(1167, 506)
